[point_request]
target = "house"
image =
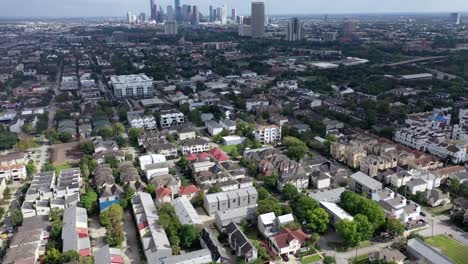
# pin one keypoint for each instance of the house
(214, 128)
(194, 146)
(331, 196)
(154, 241)
(108, 255)
(106, 145)
(185, 133)
(171, 118)
(269, 224)
(167, 149)
(186, 212)
(27, 245)
(233, 140)
(109, 195)
(225, 201)
(13, 172)
(288, 242)
(270, 134)
(335, 212)
(164, 195)
(189, 191)
(236, 215)
(75, 235)
(436, 197)
(362, 183)
(387, 255)
(211, 243)
(239, 242)
(229, 125)
(101, 156)
(201, 256)
(427, 254)
(320, 180)
(396, 205)
(154, 165)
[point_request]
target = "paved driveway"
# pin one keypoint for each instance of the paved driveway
(132, 246)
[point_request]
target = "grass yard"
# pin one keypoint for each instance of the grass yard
(311, 259)
(59, 168)
(450, 247)
(363, 259)
(228, 149)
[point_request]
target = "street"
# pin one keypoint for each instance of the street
(440, 225)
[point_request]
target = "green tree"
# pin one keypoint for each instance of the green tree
(48, 167)
(197, 201)
(115, 235)
(175, 243)
(106, 132)
(214, 189)
(7, 139)
(89, 201)
(16, 218)
(296, 148)
(183, 163)
(290, 192)
(263, 194)
(329, 260)
(70, 255)
(31, 169)
(349, 231)
(51, 135)
(188, 236)
(394, 227)
(302, 205)
(112, 161)
(55, 214)
(268, 205)
(111, 216)
(65, 136)
(365, 228)
(317, 220)
(134, 134)
(128, 194)
(150, 188)
(118, 128)
(454, 185)
(86, 147)
(53, 256)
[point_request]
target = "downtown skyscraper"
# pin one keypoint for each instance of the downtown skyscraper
(294, 31)
(154, 10)
(258, 19)
(178, 11)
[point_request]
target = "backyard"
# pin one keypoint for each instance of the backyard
(450, 247)
(311, 259)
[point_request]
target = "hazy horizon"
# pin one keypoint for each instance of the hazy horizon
(118, 8)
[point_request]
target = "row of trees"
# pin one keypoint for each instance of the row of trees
(112, 219)
(180, 236)
(368, 218)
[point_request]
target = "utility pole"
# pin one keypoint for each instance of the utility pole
(432, 227)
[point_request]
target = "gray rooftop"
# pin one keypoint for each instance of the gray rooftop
(429, 253)
(366, 181)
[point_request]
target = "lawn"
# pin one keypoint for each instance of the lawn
(450, 247)
(59, 168)
(311, 259)
(228, 149)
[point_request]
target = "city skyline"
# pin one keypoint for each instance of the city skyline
(118, 8)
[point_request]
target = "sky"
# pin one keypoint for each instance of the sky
(104, 8)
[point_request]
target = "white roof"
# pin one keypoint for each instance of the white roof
(267, 218)
(284, 219)
(337, 211)
(417, 76)
(325, 65)
(130, 78)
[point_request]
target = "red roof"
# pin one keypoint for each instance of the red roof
(187, 190)
(142, 225)
(192, 157)
(203, 155)
(219, 154)
(82, 232)
(163, 192)
(116, 259)
(286, 236)
(85, 252)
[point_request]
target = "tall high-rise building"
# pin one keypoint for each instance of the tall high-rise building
(154, 10)
(129, 17)
(170, 16)
(211, 14)
(178, 11)
(348, 29)
(233, 14)
(224, 15)
(455, 18)
(294, 31)
(195, 16)
(170, 28)
(258, 19)
(142, 17)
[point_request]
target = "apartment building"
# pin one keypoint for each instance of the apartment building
(171, 118)
(225, 201)
(134, 86)
(270, 134)
(361, 183)
(75, 233)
